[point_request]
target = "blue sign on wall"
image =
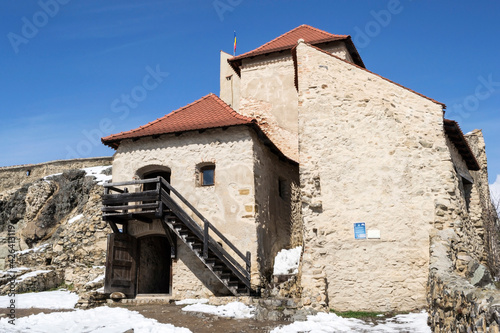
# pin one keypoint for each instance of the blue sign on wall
(359, 230)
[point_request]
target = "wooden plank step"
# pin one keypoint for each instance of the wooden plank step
(242, 291)
(220, 268)
(191, 239)
(213, 261)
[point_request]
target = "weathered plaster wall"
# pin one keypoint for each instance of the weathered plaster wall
(16, 176)
(373, 152)
(190, 278)
(274, 213)
(229, 88)
(229, 205)
(268, 94)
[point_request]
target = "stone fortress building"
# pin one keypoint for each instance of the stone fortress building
(303, 147)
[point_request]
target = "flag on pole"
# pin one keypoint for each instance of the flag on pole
(234, 51)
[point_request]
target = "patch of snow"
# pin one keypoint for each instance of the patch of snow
(76, 218)
(59, 299)
(46, 178)
(100, 290)
(98, 266)
(97, 279)
(189, 301)
(35, 249)
(287, 261)
(15, 270)
(98, 320)
(330, 322)
(97, 173)
(31, 274)
(232, 310)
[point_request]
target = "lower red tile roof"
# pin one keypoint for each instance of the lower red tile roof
(207, 112)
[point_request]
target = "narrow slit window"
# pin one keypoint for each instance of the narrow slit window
(207, 174)
(282, 188)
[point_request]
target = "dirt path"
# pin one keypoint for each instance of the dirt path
(201, 322)
(172, 314)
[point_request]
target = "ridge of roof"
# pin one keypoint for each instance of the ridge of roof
(207, 112)
(294, 54)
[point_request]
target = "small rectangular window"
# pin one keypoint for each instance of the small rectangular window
(282, 188)
(207, 175)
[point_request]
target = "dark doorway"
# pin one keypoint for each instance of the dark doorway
(154, 174)
(154, 274)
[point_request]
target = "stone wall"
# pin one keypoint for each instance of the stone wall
(487, 212)
(370, 151)
(464, 257)
(71, 249)
(459, 303)
(274, 180)
(16, 176)
(268, 94)
(229, 82)
(230, 205)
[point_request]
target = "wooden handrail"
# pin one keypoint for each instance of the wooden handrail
(161, 193)
(197, 213)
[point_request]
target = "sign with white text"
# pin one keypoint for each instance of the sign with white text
(359, 230)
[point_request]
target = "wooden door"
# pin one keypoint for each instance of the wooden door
(121, 265)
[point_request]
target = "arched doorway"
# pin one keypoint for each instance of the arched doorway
(156, 173)
(154, 273)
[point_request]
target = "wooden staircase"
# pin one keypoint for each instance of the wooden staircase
(156, 201)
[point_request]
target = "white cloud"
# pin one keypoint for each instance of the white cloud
(495, 193)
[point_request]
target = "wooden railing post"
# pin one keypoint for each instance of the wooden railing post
(206, 224)
(158, 200)
(248, 261)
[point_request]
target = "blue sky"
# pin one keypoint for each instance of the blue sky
(67, 64)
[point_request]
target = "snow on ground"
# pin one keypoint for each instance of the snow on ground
(330, 322)
(99, 320)
(233, 310)
(189, 301)
(287, 261)
(59, 299)
(31, 274)
(97, 173)
(15, 270)
(35, 249)
(97, 279)
(76, 218)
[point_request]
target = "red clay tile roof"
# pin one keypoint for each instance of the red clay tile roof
(288, 40)
(207, 112)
